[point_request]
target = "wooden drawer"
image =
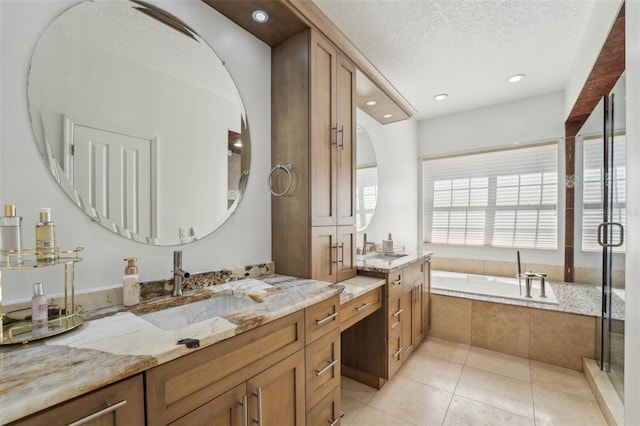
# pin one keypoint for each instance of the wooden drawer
(184, 384)
(395, 282)
(327, 411)
(412, 272)
(321, 318)
(395, 351)
(354, 310)
(322, 367)
(395, 313)
(130, 413)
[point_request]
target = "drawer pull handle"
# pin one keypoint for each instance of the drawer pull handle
(333, 422)
(327, 318)
(397, 282)
(363, 307)
(259, 395)
(398, 313)
(245, 411)
(324, 370)
(397, 353)
(100, 413)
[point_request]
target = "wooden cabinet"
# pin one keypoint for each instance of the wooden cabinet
(356, 309)
(121, 403)
(276, 396)
(229, 409)
(313, 129)
(178, 387)
(327, 411)
(374, 348)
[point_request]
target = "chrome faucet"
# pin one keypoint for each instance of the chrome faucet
(366, 243)
(178, 273)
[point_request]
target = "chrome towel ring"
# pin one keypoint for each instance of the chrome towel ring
(287, 168)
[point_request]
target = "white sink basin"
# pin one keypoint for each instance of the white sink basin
(192, 313)
(388, 256)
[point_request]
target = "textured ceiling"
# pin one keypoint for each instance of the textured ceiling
(465, 48)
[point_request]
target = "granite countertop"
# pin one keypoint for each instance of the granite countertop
(575, 298)
(359, 285)
(105, 350)
(370, 263)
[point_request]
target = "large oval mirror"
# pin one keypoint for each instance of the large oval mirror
(366, 179)
(139, 121)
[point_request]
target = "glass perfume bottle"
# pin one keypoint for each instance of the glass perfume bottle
(46, 247)
(10, 236)
(39, 312)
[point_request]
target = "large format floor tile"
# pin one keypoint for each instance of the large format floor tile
(450, 384)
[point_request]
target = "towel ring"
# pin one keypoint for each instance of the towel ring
(287, 168)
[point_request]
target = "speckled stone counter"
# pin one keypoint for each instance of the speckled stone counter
(359, 285)
(102, 351)
(372, 264)
(583, 299)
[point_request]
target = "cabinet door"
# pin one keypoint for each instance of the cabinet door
(324, 255)
(229, 409)
(324, 132)
(346, 252)
(417, 313)
(408, 332)
(277, 395)
(395, 314)
(346, 147)
(117, 404)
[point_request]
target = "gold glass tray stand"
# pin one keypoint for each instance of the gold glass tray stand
(16, 324)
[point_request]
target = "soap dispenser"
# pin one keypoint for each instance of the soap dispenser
(130, 284)
(387, 245)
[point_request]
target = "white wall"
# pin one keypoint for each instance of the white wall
(395, 146)
(24, 181)
(632, 272)
(529, 120)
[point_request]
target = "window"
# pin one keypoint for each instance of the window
(366, 195)
(505, 198)
(593, 176)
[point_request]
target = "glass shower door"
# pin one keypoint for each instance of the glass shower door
(611, 239)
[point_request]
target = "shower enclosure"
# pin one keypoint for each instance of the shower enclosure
(603, 219)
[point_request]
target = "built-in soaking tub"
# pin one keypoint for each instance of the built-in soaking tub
(509, 288)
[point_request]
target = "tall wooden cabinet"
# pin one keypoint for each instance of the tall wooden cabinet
(313, 129)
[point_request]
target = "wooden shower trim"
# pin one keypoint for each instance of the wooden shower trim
(606, 71)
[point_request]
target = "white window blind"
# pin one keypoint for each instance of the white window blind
(366, 195)
(505, 198)
(593, 183)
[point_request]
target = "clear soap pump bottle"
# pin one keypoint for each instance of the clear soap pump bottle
(46, 246)
(130, 284)
(39, 312)
(10, 236)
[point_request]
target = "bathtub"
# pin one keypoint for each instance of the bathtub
(490, 286)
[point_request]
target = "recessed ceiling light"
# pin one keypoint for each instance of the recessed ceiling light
(441, 97)
(371, 103)
(387, 116)
(516, 78)
(260, 16)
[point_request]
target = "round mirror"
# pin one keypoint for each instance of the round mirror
(366, 179)
(139, 121)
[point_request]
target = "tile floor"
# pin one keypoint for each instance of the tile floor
(447, 383)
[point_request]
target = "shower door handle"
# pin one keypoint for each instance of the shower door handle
(601, 227)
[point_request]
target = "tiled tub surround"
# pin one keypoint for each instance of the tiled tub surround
(556, 334)
(102, 351)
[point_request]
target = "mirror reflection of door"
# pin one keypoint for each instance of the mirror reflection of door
(113, 172)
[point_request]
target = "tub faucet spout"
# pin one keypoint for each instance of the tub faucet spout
(178, 273)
